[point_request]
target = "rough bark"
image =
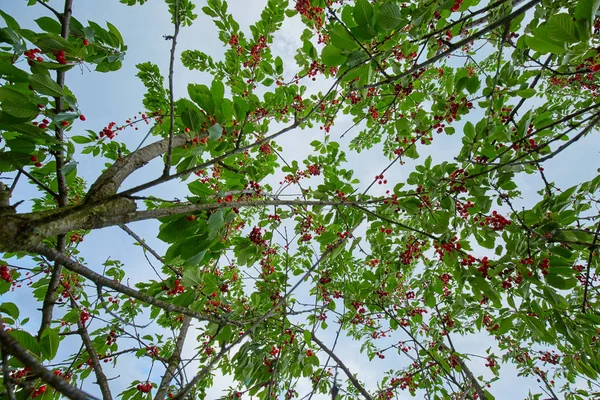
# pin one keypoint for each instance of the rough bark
(109, 182)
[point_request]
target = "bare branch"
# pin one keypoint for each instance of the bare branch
(174, 360)
(41, 184)
(89, 347)
(341, 364)
(143, 243)
(173, 38)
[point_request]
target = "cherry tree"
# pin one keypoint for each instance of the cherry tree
(269, 263)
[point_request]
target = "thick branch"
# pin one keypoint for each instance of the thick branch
(339, 362)
(20, 231)
(109, 182)
(14, 348)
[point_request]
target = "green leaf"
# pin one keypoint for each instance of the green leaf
(215, 223)
(27, 341)
(363, 12)
(586, 10)
(49, 25)
(10, 309)
(332, 56)
(45, 85)
(340, 38)
(49, 343)
(278, 65)
(217, 89)
(561, 28)
(191, 116)
(200, 189)
(307, 336)
(543, 46)
(20, 109)
(201, 95)
(526, 93)
(561, 283)
(10, 21)
(81, 139)
(215, 132)
(191, 277)
(240, 108)
(389, 17)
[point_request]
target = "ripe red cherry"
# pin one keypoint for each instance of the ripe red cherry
(65, 123)
(34, 159)
(82, 117)
(85, 42)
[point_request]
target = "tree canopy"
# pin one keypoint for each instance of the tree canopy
(271, 265)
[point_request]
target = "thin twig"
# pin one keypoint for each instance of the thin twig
(176, 22)
(41, 184)
(148, 248)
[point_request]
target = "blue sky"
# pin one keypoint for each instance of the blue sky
(117, 96)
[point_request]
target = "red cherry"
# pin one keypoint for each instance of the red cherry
(85, 42)
(33, 158)
(82, 117)
(65, 123)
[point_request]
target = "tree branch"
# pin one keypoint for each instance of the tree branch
(173, 361)
(89, 347)
(341, 364)
(148, 248)
(63, 191)
(176, 20)
(101, 280)
(13, 347)
(39, 183)
(109, 182)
